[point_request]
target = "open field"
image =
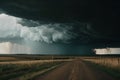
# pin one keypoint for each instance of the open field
(36, 67)
(24, 67)
(8, 59)
(23, 71)
(32, 57)
(112, 62)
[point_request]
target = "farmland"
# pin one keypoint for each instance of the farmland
(21, 67)
(111, 62)
(37, 67)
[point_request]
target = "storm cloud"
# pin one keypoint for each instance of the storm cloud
(92, 21)
(49, 33)
(82, 24)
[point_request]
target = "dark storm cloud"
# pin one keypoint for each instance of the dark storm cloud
(34, 30)
(49, 33)
(78, 32)
(86, 22)
(29, 23)
(75, 32)
(61, 10)
(0, 11)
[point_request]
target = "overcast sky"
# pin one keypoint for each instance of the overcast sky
(41, 38)
(60, 27)
(22, 36)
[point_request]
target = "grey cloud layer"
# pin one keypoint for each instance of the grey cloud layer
(11, 28)
(48, 33)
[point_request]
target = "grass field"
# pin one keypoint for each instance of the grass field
(112, 62)
(23, 67)
(27, 67)
(109, 64)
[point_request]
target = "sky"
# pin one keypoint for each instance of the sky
(41, 39)
(10, 48)
(5, 47)
(107, 51)
(66, 27)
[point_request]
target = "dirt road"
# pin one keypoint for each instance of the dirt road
(76, 70)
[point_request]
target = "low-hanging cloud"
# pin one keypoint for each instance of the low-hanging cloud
(55, 32)
(48, 33)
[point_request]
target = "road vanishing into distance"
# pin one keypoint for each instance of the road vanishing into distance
(76, 70)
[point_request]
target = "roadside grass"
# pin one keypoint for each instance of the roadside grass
(32, 75)
(115, 72)
(23, 71)
(28, 67)
(13, 71)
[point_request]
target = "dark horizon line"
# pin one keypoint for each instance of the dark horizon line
(64, 54)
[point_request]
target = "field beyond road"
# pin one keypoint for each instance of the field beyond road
(59, 68)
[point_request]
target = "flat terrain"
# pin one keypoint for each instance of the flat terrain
(36, 67)
(76, 70)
